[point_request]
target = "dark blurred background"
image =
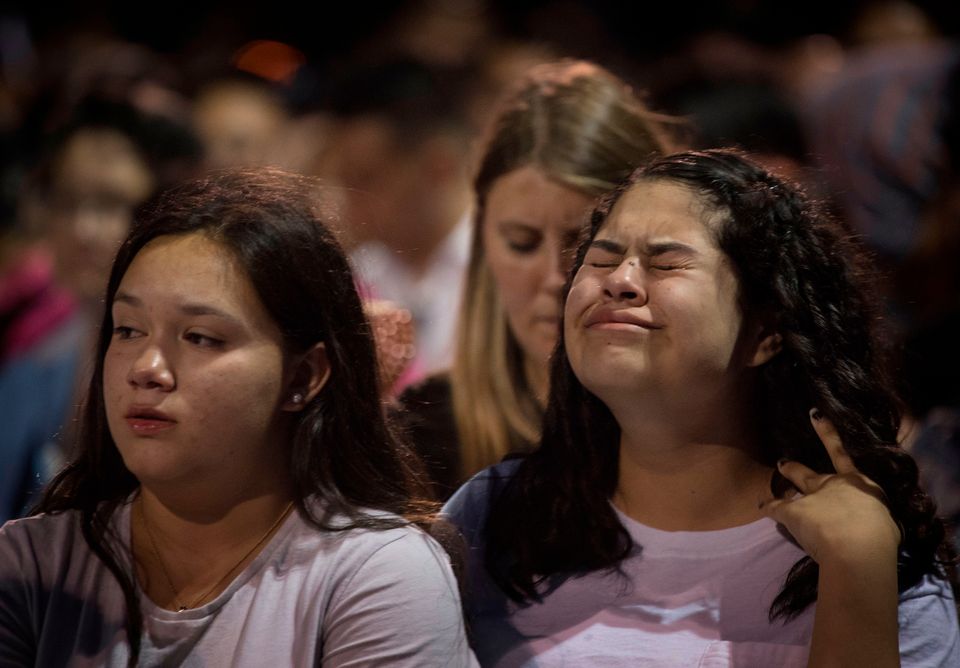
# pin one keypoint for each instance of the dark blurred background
(641, 29)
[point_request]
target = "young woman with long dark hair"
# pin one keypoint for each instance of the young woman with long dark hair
(719, 481)
(235, 497)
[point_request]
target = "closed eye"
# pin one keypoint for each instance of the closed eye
(523, 246)
(671, 265)
(602, 258)
(520, 237)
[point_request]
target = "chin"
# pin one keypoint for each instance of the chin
(156, 477)
(537, 348)
(606, 372)
(542, 356)
(150, 464)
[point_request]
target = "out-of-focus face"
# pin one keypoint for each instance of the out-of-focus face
(653, 309)
(194, 374)
(97, 181)
(381, 181)
(530, 229)
(240, 125)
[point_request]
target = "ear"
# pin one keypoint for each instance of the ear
(767, 343)
(307, 377)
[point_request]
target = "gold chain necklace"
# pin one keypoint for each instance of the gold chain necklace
(166, 574)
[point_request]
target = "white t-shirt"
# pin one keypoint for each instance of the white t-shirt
(682, 599)
(433, 297)
(337, 598)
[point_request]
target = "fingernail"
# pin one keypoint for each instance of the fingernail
(815, 414)
(781, 462)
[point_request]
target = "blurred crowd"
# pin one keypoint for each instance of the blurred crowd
(92, 126)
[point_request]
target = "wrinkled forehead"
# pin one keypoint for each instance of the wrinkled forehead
(656, 207)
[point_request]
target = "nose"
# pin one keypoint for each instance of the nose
(151, 370)
(625, 283)
(558, 262)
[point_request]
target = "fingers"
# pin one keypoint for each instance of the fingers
(842, 462)
(780, 487)
(781, 511)
(805, 479)
(772, 508)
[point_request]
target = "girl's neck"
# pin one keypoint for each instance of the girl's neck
(196, 523)
(690, 476)
(186, 560)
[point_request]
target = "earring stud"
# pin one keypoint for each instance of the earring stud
(297, 398)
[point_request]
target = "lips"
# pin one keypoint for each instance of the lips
(613, 318)
(145, 420)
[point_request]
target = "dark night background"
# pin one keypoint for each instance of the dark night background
(643, 29)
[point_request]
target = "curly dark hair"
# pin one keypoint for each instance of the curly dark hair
(342, 451)
(795, 265)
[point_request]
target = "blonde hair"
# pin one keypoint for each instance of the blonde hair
(584, 128)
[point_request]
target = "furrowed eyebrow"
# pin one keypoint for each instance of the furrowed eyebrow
(653, 249)
(609, 245)
(670, 247)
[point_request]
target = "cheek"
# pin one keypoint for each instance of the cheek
(247, 392)
(114, 377)
(513, 289)
(518, 296)
(713, 326)
(584, 291)
(515, 277)
(722, 312)
(115, 390)
(582, 294)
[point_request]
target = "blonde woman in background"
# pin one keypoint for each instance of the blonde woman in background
(567, 133)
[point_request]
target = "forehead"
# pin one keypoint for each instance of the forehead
(659, 210)
(192, 268)
(527, 195)
(193, 258)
